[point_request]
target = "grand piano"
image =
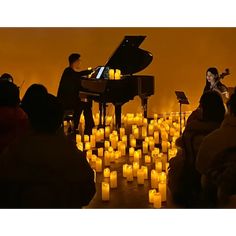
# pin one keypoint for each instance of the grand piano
(130, 59)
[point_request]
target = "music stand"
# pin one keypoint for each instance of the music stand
(182, 99)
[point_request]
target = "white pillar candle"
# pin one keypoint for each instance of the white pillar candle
(106, 172)
(144, 131)
(154, 179)
(125, 170)
(107, 158)
(154, 154)
(106, 144)
(87, 146)
(164, 146)
(151, 145)
(131, 151)
(136, 156)
(133, 142)
(162, 190)
(105, 191)
(162, 177)
(151, 193)
(157, 200)
(156, 137)
(78, 138)
(112, 156)
(123, 149)
(98, 164)
(164, 136)
(113, 179)
(100, 152)
(124, 140)
(145, 171)
(114, 142)
(172, 131)
(147, 159)
(158, 166)
(145, 147)
(135, 168)
(107, 131)
(136, 133)
(94, 131)
(122, 132)
(150, 129)
(93, 140)
(140, 176)
(86, 138)
(129, 173)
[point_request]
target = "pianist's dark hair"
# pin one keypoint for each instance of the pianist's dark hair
(73, 57)
(215, 72)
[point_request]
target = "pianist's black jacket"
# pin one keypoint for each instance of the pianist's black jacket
(69, 87)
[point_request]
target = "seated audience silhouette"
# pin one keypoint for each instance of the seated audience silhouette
(45, 169)
(13, 120)
(184, 180)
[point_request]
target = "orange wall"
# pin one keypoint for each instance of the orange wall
(180, 58)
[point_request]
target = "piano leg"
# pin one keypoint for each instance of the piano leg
(100, 115)
(104, 115)
(118, 116)
(144, 105)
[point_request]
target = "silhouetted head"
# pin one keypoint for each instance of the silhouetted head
(6, 77)
(33, 95)
(9, 94)
(231, 104)
(48, 116)
(212, 107)
(74, 60)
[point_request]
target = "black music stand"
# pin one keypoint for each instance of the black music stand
(182, 99)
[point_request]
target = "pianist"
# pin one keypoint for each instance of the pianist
(68, 93)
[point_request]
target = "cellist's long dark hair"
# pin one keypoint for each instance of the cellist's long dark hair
(215, 72)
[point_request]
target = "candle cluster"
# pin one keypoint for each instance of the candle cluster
(144, 147)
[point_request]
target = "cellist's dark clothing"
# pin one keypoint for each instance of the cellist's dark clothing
(68, 93)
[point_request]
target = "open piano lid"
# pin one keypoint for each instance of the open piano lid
(128, 57)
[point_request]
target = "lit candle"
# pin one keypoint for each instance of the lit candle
(131, 151)
(145, 147)
(158, 166)
(164, 146)
(107, 131)
(136, 156)
(162, 190)
(135, 168)
(150, 129)
(107, 144)
(172, 131)
(164, 136)
(93, 140)
(87, 146)
(105, 191)
(133, 142)
(151, 145)
(144, 131)
(107, 158)
(123, 149)
(122, 132)
(129, 173)
(147, 159)
(98, 164)
(145, 171)
(140, 176)
(111, 74)
(136, 133)
(157, 200)
(113, 179)
(106, 172)
(154, 179)
(86, 138)
(100, 152)
(78, 138)
(162, 177)
(124, 139)
(156, 137)
(125, 170)
(151, 194)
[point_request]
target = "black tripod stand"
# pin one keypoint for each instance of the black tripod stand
(182, 99)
